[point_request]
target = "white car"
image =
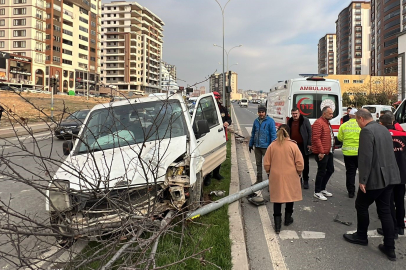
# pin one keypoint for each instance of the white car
(136, 157)
(375, 110)
(244, 102)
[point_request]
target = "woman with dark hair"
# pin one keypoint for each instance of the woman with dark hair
(283, 161)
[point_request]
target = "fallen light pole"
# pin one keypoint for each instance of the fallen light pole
(227, 200)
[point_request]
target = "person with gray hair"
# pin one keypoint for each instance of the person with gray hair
(323, 148)
(378, 172)
(395, 124)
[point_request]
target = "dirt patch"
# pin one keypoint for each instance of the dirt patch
(32, 107)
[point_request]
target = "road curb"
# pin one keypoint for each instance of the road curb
(239, 256)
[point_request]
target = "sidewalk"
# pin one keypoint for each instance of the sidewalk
(19, 130)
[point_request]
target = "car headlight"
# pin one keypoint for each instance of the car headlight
(59, 195)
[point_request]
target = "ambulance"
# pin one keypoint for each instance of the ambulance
(310, 94)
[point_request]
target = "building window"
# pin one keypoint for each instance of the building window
(69, 33)
(2, 11)
(66, 52)
(19, 33)
(83, 20)
(56, 59)
(1, 44)
(67, 42)
(357, 81)
(93, 32)
(57, 39)
(84, 29)
(2, 33)
(82, 56)
(2, 2)
(2, 22)
(19, 44)
(93, 24)
(83, 38)
(19, 22)
(20, 1)
(56, 48)
(83, 47)
(68, 62)
(20, 11)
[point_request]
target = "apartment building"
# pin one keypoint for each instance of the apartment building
(168, 83)
(52, 38)
(327, 54)
(353, 45)
(171, 69)
(131, 46)
(401, 53)
(385, 27)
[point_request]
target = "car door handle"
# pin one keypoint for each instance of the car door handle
(220, 129)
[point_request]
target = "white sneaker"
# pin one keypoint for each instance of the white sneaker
(326, 193)
(320, 196)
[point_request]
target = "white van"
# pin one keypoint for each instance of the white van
(309, 94)
(375, 110)
(244, 102)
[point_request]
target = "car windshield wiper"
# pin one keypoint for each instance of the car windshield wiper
(96, 149)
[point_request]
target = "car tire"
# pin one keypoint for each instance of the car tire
(60, 137)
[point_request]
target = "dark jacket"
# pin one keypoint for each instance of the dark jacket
(346, 118)
(264, 133)
(321, 136)
(399, 147)
(376, 159)
(305, 131)
(225, 116)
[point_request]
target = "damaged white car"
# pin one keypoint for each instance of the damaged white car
(135, 158)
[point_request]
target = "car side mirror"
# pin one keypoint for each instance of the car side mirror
(202, 127)
(67, 147)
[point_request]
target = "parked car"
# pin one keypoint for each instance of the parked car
(70, 125)
(376, 109)
(135, 158)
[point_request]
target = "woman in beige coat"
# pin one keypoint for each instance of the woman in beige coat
(283, 162)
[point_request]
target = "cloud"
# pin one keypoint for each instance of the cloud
(279, 37)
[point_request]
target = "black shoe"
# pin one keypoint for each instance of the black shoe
(351, 195)
(252, 195)
(380, 231)
(355, 239)
(207, 180)
(401, 231)
(288, 219)
(306, 184)
(218, 177)
(278, 223)
(390, 253)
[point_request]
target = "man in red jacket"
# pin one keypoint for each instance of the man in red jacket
(323, 147)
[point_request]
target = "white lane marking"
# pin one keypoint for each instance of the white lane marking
(249, 130)
(313, 235)
(271, 238)
(286, 234)
(26, 190)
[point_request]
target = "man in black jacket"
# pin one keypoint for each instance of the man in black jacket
(398, 195)
(378, 172)
(347, 116)
(301, 132)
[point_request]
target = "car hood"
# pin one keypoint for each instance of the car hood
(118, 166)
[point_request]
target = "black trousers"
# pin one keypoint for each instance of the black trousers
(382, 199)
(259, 154)
(216, 171)
(351, 166)
(398, 205)
(277, 208)
(305, 174)
(325, 168)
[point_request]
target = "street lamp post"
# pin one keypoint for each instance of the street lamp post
(224, 79)
(224, 75)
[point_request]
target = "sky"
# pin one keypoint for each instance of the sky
(279, 38)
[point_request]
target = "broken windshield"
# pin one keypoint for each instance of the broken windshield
(119, 126)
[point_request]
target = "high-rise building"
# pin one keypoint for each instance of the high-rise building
(131, 46)
(385, 26)
(51, 38)
(327, 54)
(402, 54)
(168, 83)
(171, 69)
(353, 47)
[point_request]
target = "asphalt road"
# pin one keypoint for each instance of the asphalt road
(314, 240)
(30, 161)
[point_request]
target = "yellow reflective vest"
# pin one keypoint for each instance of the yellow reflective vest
(349, 135)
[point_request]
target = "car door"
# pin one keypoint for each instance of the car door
(212, 145)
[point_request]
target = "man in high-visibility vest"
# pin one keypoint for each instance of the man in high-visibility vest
(348, 134)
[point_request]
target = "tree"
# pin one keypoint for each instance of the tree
(346, 100)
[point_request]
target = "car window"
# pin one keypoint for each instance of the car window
(370, 109)
(400, 115)
(118, 126)
(206, 110)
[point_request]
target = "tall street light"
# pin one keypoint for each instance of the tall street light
(224, 79)
(224, 75)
